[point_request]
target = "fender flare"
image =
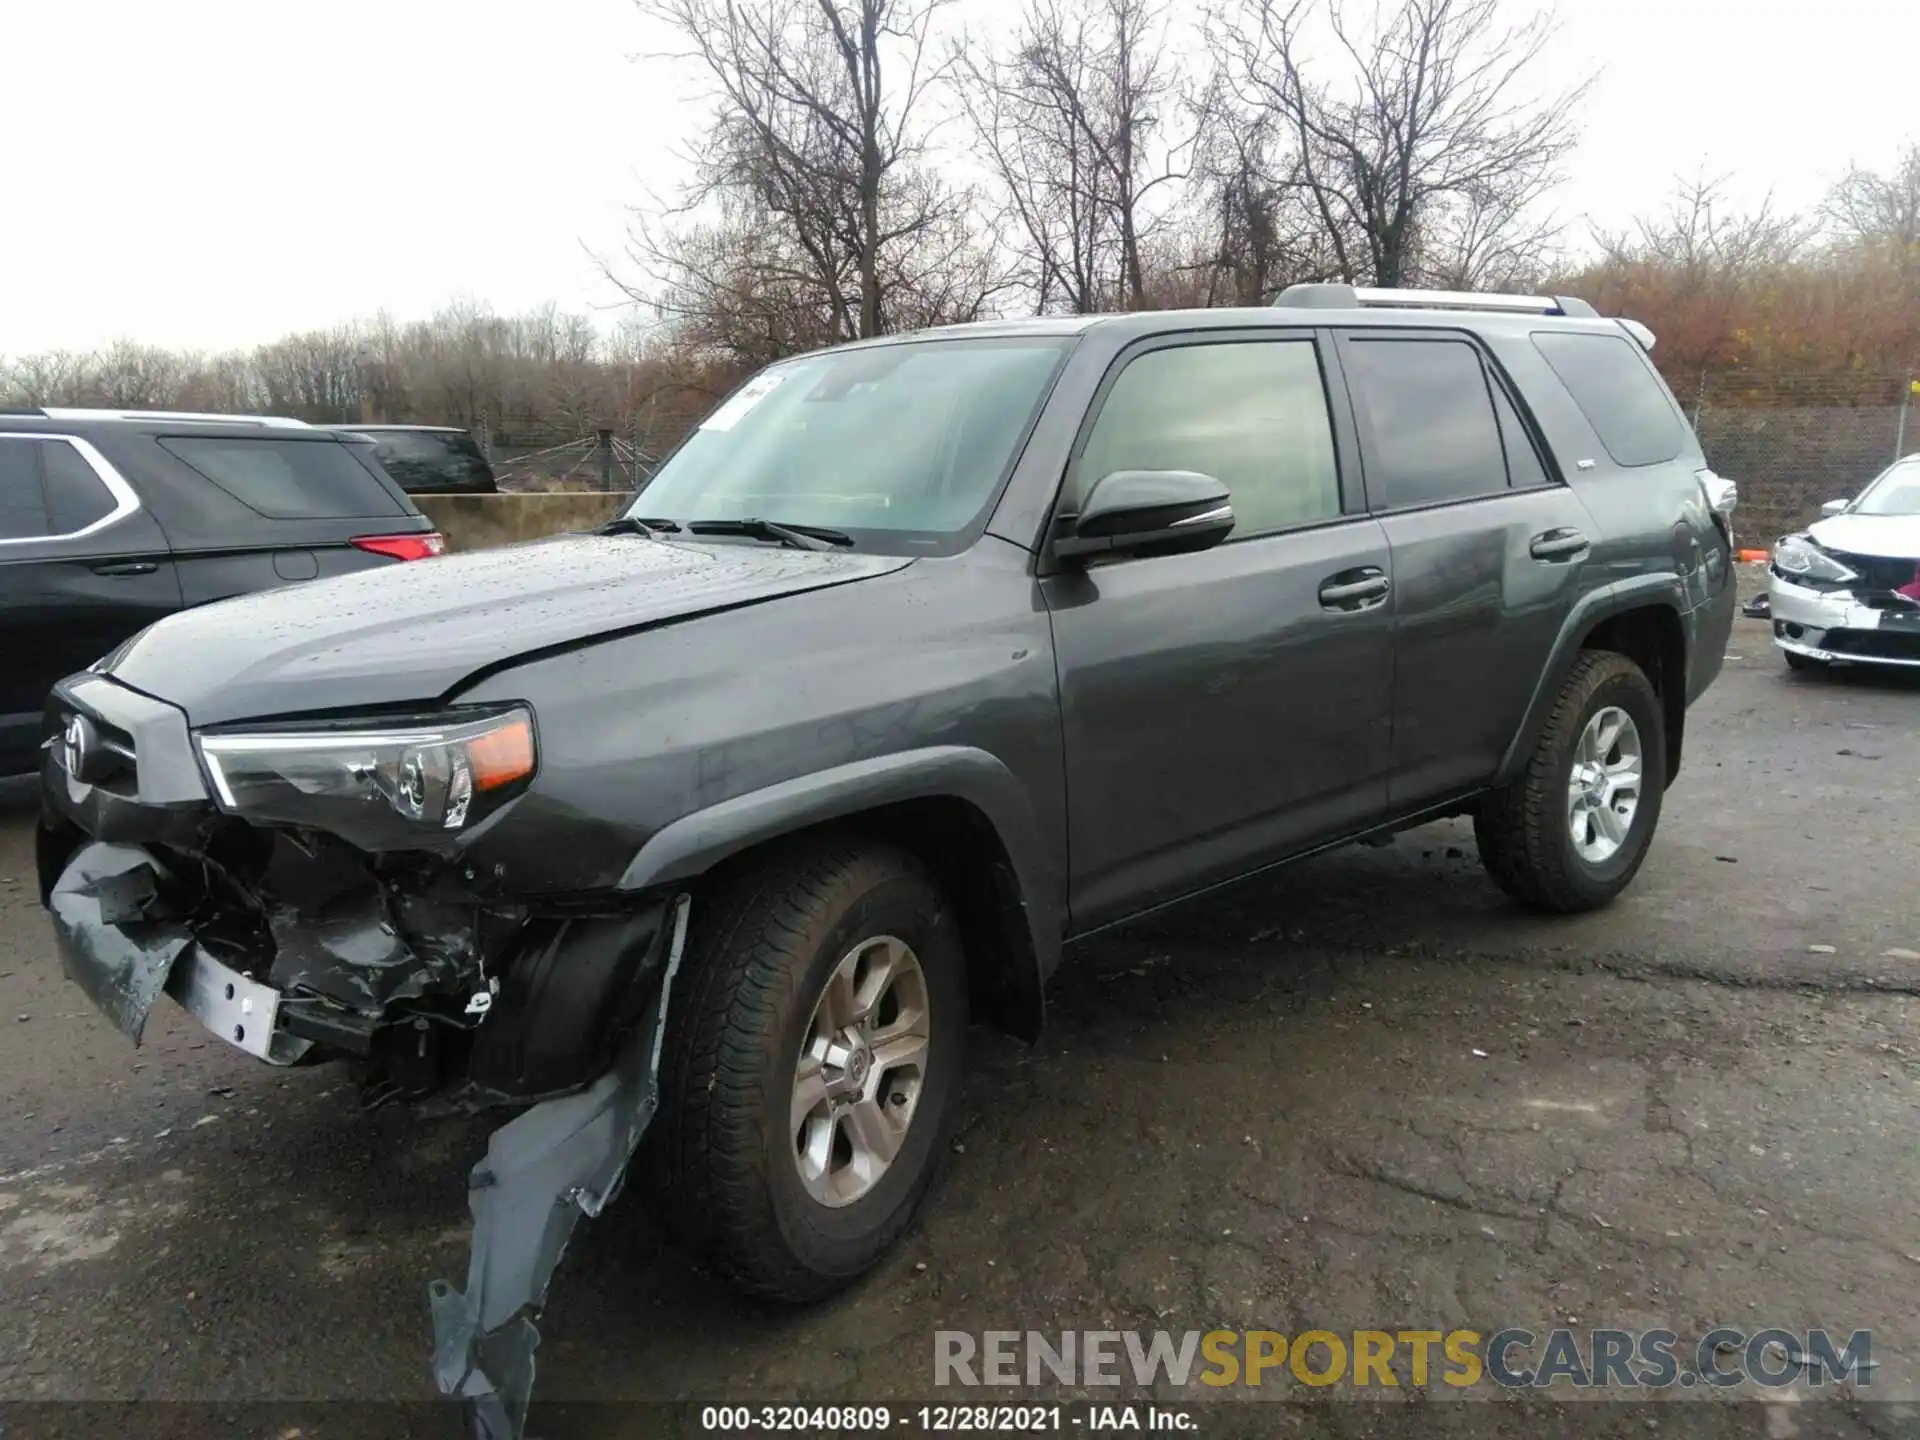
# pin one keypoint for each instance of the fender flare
(1589, 611)
(688, 847)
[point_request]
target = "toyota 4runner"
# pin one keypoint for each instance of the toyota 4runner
(920, 660)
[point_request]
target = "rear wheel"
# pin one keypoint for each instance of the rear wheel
(1569, 834)
(812, 1066)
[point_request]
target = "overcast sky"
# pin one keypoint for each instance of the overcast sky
(213, 173)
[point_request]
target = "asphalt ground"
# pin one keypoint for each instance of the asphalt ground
(1364, 1092)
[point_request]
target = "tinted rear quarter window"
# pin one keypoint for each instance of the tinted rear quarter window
(284, 478)
(1617, 392)
(23, 513)
(76, 497)
(1434, 435)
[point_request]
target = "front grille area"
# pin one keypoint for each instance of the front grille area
(1874, 644)
(1878, 572)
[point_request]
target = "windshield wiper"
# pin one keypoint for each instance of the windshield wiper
(634, 525)
(800, 537)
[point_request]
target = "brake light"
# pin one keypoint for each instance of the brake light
(402, 547)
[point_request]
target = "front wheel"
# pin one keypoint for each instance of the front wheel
(1569, 834)
(812, 1069)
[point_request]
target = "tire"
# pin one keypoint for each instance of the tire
(1524, 829)
(1805, 664)
(765, 941)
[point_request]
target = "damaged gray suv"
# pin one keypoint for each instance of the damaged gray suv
(920, 660)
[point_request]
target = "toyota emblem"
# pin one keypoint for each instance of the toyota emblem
(78, 740)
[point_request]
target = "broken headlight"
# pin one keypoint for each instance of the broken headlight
(1800, 558)
(401, 785)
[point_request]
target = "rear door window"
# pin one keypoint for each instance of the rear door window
(286, 478)
(76, 497)
(1524, 469)
(427, 460)
(1610, 382)
(23, 510)
(1432, 433)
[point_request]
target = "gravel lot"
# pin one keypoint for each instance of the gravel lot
(1361, 1093)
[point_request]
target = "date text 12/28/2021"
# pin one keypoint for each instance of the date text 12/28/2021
(948, 1419)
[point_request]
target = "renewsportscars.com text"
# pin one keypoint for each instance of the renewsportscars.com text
(1510, 1359)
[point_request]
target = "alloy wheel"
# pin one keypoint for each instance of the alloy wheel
(861, 1070)
(1603, 791)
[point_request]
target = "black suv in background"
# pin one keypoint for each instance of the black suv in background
(921, 660)
(111, 519)
(429, 459)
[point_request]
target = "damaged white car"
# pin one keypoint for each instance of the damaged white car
(1846, 591)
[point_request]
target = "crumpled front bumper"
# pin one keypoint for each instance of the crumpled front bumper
(562, 1010)
(116, 945)
(1839, 627)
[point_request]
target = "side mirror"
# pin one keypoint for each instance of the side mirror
(1835, 507)
(1162, 512)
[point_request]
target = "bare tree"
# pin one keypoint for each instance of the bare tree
(131, 375)
(1715, 280)
(1265, 232)
(817, 143)
(315, 374)
(741, 288)
(48, 378)
(1701, 236)
(1493, 238)
(1867, 206)
(1075, 118)
(1428, 125)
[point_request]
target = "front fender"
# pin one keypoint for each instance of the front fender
(695, 843)
(1591, 610)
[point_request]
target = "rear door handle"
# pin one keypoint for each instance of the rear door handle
(1359, 589)
(1558, 545)
(126, 567)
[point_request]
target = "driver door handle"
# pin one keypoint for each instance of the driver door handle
(1357, 589)
(126, 567)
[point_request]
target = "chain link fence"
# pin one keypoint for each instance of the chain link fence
(1793, 441)
(534, 453)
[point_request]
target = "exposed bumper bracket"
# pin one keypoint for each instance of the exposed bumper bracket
(542, 1170)
(233, 1007)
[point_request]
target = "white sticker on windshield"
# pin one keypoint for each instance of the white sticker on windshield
(744, 399)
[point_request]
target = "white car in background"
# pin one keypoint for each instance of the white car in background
(1846, 590)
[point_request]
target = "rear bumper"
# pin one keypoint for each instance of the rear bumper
(1836, 627)
(1711, 628)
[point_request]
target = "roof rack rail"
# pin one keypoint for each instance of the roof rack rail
(198, 417)
(1361, 297)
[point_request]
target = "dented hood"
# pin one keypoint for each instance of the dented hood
(414, 632)
(1892, 537)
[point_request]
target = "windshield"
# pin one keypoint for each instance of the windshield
(898, 445)
(1896, 492)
